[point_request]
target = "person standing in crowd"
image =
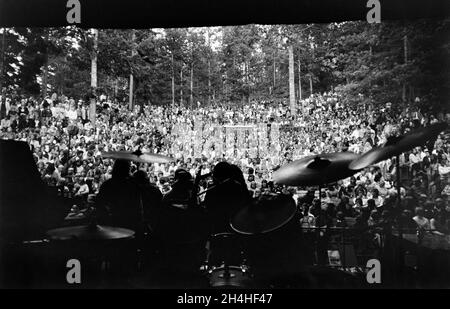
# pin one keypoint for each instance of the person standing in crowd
(422, 222)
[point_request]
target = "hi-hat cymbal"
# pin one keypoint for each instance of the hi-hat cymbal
(316, 170)
(397, 145)
(89, 232)
(137, 156)
(266, 215)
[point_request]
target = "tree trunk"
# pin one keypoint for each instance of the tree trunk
(116, 88)
(131, 88)
(173, 83)
(94, 60)
(181, 86)
(292, 81)
(405, 48)
(274, 77)
(310, 84)
(2, 76)
(130, 92)
(405, 45)
(2, 72)
(191, 99)
(299, 79)
(209, 81)
(370, 59)
(249, 81)
(45, 75)
(94, 52)
(209, 66)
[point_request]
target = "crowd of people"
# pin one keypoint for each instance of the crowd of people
(67, 139)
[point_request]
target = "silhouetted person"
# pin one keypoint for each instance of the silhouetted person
(238, 177)
(226, 198)
(182, 230)
(118, 201)
(181, 219)
(151, 198)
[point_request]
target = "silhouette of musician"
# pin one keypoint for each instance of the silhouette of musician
(229, 195)
(150, 200)
(127, 201)
(182, 228)
(181, 219)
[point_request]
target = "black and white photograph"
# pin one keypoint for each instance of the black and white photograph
(255, 154)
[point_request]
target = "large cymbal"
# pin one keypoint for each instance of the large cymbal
(316, 170)
(89, 232)
(397, 145)
(266, 215)
(137, 156)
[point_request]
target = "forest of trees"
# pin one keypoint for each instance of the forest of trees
(386, 62)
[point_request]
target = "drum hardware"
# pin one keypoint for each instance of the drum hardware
(327, 168)
(91, 232)
(213, 187)
(264, 216)
(137, 156)
(34, 242)
(316, 170)
(396, 146)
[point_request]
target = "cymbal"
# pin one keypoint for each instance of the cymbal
(264, 216)
(397, 145)
(137, 156)
(316, 170)
(89, 232)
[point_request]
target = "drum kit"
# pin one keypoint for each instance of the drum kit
(265, 218)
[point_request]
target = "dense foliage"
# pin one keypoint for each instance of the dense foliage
(388, 62)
